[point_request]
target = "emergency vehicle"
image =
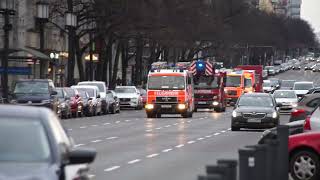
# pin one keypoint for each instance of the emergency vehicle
(258, 77)
(249, 81)
(234, 87)
(208, 85)
(169, 91)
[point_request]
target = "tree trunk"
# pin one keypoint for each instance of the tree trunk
(108, 57)
(115, 66)
(79, 60)
(138, 66)
(125, 60)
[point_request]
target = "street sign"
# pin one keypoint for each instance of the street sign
(17, 70)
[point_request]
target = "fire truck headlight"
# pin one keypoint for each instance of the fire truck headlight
(149, 106)
(215, 103)
(182, 106)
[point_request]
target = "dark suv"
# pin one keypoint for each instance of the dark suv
(35, 92)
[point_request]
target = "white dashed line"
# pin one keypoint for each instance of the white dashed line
(216, 134)
(83, 127)
(128, 120)
(175, 124)
(94, 125)
(149, 130)
(180, 146)
(200, 139)
(191, 142)
(152, 155)
(106, 124)
(229, 129)
(189, 121)
(209, 136)
(134, 161)
(78, 145)
(117, 122)
(159, 128)
(201, 118)
(112, 168)
(69, 129)
(110, 138)
(168, 126)
(223, 131)
(167, 150)
(91, 176)
(95, 141)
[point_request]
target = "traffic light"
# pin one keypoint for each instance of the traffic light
(201, 66)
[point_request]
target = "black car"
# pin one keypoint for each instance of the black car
(314, 90)
(34, 145)
(64, 107)
(113, 101)
(88, 106)
(255, 110)
(35, 92)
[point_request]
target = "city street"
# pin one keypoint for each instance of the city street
(130, 146)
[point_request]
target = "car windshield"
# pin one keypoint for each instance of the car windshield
(88, 90)
(284, 94)
(98, 85)
(289, 84)
(233, 81)
(256, 101)
(60, 93)
(303, 86)
(205, 82)
(70, 92)
(23, 140)
(31, 87)
(266, 84)
(247, 83)
(125, 90)
(83, 94)
(166, 82)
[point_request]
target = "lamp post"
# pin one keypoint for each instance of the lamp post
(71, 23)
(42, 17)
(7, 10)
(91, 26)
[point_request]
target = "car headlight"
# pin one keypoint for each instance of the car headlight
(274, 115)
(149, 106)
(226, 91)
(235, 114)
(215, 103)
(294, 105)
(45, 101)
(182, 106)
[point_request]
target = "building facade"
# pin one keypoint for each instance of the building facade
(294, 8)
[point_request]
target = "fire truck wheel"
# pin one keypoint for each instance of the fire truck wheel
(151, 115)
(195, 110)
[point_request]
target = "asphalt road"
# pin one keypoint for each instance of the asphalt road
(132, 147)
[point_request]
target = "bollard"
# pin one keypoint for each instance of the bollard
(272, 159)
(283, 154)
(232, 168)
(260, 161)
(211, 177)
(247, 163)
(218, 169)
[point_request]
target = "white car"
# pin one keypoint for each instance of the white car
(287, 98)
(129, 97)
(312, 123)
(102, 91)
(302, 88)
(267, 86)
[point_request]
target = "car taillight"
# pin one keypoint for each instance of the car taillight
(298, 112)
(307, 124)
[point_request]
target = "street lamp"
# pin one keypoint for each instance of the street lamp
(42, 17)
(7, 10)
(71, 23)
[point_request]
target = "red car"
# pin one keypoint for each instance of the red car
(304, 156)
(76, 102)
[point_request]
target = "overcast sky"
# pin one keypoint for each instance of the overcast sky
(310, 11)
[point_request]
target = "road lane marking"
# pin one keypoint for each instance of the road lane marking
(112, 168)
(152, 155)
(78, 145)
(83, 127)
(180, 146)
(117, 122)
(149, 130)
(216, 134)
(189, 121)
(201, 118)
(110, 138)
(106, 124)
(90, 176)
(69, 129)
(168, 126)
(191, 142)
(175, 124)
(209, 136)
(223, 131)
(159, 128)
(134, 161)
(95, 141)
(229, 129)
(94, 125)
(167, 150)
(127, 120)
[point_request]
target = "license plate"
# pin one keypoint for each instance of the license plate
(254, 120)
(202, 102)
(166, 106)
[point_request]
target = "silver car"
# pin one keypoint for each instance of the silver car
(129, 97)
(287, 98)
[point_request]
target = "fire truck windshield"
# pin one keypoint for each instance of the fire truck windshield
(233, 81)
(166, 83)
(247, 83)
(205, 83)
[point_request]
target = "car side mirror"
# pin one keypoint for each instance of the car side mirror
(115, 98)
(81, 156)
(53, 93)
(98, 96)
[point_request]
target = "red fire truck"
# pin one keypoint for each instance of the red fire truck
(258, 75)
(209, 86)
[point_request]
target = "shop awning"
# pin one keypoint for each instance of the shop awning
(28, 53)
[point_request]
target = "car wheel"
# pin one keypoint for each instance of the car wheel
(195, 110)
(304, 165)
(233, 128)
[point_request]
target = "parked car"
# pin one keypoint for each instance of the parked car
(287, 84)
(277, 69)
(304, 154)
(296, 66)
(287, 98)
(88, 105)
(35, 92)
(255, 110)
(94, 96)
(76, 102)
(275, 82)
(309, 66)
(267, 86)
(316, 68)
(143, 94)
(38, 147)
(305, 107)
(302, 88)
(129, 96)
(102, 91)
(265, 74)
(64, 105)
(271, 70)
(113, 101)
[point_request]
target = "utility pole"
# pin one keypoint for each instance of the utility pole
(71, 33)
